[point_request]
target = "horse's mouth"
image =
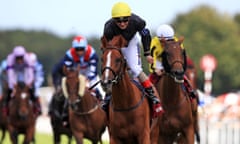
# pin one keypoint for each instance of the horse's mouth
(107, 87)
(178, 80)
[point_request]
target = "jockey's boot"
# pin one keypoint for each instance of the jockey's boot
(105, 103)
(5, 109)
(157, 109)
(155, 102)
(6, 99)
(192, 93)
(37, 106)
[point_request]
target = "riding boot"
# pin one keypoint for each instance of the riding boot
(105, 103)
(37, 109)
(155, 102)
(192, 93)
(6, 99)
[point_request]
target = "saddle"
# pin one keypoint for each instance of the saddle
(154, 78)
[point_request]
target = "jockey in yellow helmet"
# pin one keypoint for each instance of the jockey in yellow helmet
(128, 24)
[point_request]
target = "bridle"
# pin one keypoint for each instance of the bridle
(74, 104)
(176, 74)
(117, 75)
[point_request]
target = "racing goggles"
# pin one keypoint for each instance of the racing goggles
(121, 19)
(79, 48)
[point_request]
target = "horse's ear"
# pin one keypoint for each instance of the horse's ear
(103, 42)
(181, 39)
(163, 41)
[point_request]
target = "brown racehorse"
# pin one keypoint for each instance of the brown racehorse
(22, 119)
(87, 119)
(129, 113)
(55, 113)
(176, 124)
(191, 74)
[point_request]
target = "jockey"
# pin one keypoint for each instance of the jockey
(156, 68)
(38, 79)
(83, 54)
(128, 24)
(19, 69)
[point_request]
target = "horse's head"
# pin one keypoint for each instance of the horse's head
(174, 58)
(113, 62)
(71, 85)
(21, 95)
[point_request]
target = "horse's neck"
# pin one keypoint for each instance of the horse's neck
(87, 101)
(125, 91)
(171, 90)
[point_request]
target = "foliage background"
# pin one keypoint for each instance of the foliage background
(206, 31)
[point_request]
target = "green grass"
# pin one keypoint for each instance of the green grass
(43, 139)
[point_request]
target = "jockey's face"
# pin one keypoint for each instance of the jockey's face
(19, 60)
(122, 22)
(80, 52)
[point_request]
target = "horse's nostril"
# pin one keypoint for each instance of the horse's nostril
(178, 72)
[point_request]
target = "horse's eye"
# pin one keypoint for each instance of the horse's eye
(118, 60)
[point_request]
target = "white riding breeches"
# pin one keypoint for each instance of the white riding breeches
(132, 54)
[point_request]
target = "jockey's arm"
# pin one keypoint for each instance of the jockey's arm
(93, 67)
(57, 73)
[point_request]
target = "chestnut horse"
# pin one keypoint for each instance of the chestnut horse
(129, 113)
(21, 118)
(191, 74)
(87, 119)
(55, 113)
(176, 124)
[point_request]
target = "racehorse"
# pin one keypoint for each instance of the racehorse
(86, 118)
(129, 113)
(21, 119)
(55, 113)
(191, 74)
(176, 124)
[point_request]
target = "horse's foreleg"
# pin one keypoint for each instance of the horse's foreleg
(154, 133)
(79, 137)
(69, 139)
(3, 135)
(29, 136)
(14, 137)
(189, 134)
(56, 137)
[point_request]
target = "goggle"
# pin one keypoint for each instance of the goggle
(121, 19)
(19, 57)
(79, 48)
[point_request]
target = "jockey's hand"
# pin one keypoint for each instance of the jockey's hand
(158, 72)
(149, 59)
